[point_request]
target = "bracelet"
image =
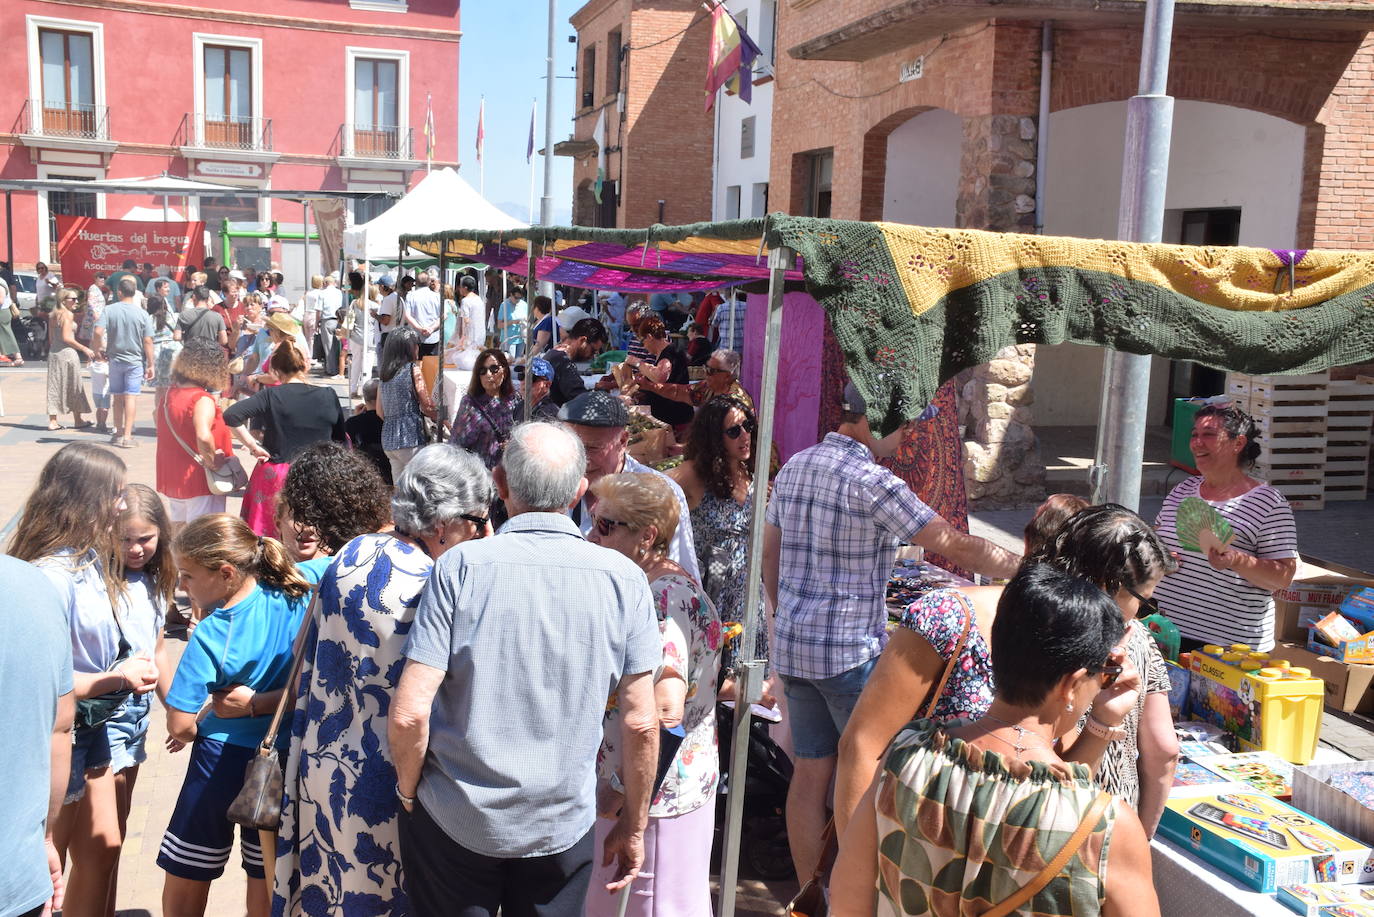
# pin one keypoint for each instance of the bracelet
(407, 800)
(1102, 730)
(252, 704)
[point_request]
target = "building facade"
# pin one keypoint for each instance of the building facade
(743, 130)
(641, 72)
(287, 95)
(933, 114)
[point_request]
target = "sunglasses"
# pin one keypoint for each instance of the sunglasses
(478, 522)
(747, 427)
(604, 525)
(491, 369)
(716, 371)
(1112, 671)
(1147, 607)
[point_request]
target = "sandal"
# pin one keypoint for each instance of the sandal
(54, 425)
(18, 361)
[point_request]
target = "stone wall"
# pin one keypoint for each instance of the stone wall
(1003, 467)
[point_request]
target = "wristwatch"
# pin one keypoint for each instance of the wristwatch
(405, 800)
(1106, 733)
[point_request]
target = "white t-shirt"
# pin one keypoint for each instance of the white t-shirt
(144, 613)
(472, 322)
(46, 285)
(423, 306)
(331, 298)
(388, 307)
(312, 301)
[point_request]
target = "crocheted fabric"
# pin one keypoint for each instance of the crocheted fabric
(911, 307)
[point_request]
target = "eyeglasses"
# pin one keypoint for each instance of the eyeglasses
(604, 525)
(716, 371)
(478, 522)
(1147, 607)
(491, 369)
(747, 427)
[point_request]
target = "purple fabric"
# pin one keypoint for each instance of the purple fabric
(1289, 256)
(799, 367)
(681, 271)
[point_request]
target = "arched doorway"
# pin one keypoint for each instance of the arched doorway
(921, 179)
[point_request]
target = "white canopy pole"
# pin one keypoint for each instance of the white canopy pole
(749, 680)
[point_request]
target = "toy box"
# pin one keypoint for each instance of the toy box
(1190, 773)
(1259, 770)
(1347, 910)
(1359, 607)
(1277, 714)
(1339, 793)
(1262, 842)
(1358, 649)
(1179, 678)
(1309, 899)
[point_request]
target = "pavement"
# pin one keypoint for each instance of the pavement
(1340, 533)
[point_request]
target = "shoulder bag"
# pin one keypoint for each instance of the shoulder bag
(229, 480)
(98, 710)
(811, 901)
(258, 803)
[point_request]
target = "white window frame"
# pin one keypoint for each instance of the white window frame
(198, 42)
(351, 57)
(97, 32)
(380, 6)
(46, 170)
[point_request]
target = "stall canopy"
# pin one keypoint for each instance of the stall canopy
(911, 307)
(440, 199)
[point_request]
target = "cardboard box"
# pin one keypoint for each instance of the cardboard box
(1308, 899)
(1262, 842)
(1315, 796)
(1358, 650)
(1347, 684)
(1315, 589)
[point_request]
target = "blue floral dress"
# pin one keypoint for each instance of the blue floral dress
(938, 619)
(339, 850)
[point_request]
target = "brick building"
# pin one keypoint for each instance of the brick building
(642, 64)
(285, 94)
(930, 114)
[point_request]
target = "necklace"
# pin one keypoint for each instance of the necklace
(1021, 733)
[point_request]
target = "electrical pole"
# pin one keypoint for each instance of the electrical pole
(1115, 476)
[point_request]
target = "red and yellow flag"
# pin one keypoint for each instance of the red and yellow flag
(731, 60)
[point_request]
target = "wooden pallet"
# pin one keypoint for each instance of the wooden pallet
(1350, 424)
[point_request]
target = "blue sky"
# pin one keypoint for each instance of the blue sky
(502, 58)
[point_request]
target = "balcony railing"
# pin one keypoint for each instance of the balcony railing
(375, 141)
(225, 133)
(69, 120)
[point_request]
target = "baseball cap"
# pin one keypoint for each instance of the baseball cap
(541, 368)
(853, 402)
(571, 316)
(595, 409)
(386, 280)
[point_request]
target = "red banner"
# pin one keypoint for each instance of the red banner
(87, 244)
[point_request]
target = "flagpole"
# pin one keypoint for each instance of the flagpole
(534, 104)
(482, 142)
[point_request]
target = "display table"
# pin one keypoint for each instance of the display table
(1189, 886)
(455, 387)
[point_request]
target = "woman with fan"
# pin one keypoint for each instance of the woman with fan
(1234, 537)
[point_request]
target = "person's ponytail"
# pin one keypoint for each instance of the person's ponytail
(273, 567)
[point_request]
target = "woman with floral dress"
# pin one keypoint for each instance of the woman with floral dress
(339, 848)
(487, 412)
(636, 514)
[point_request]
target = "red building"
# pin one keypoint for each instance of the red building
(257, 94)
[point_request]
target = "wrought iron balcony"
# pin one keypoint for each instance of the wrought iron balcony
(225, 132)
(374, 141)
(66, 120)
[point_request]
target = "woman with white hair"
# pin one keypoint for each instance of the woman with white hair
(339, 770)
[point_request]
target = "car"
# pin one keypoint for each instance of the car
(27, 293)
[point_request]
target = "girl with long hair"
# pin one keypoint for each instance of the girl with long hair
(255, 599)
(71, 530)
(404, 401)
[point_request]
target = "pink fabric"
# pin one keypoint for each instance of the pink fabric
(799, 367)
(676, 878)
(260, 499)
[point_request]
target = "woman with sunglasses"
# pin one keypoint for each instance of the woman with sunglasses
(717, 478)
(1113, 547)
(65, 392)
(963, 814)
(637, 515)
(488, 410)
(339, 771)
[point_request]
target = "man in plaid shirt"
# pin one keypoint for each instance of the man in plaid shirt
(835, 520)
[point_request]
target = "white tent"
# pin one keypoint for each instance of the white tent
(154, 214)
(443, 200)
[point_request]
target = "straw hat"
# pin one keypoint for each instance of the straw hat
(283, 322)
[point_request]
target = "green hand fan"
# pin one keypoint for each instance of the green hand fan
(1200, 527)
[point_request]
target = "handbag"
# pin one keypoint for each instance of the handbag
(810, 901)
(229, 480)
(258, 803)
(98, 710)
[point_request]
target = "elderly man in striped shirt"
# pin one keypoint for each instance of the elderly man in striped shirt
(834, 523)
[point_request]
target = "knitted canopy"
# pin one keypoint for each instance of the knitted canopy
(912, 307)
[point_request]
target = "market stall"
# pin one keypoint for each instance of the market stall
(912, 307)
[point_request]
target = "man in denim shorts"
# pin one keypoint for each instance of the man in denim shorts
(124, 337)
(834, 523)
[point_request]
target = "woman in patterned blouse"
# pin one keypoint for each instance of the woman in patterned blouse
(963, 815)
(487, 412)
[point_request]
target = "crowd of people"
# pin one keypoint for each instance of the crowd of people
(512, 635)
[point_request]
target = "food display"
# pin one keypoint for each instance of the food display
(1262, 842)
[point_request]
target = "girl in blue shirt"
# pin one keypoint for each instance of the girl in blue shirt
(255, 600)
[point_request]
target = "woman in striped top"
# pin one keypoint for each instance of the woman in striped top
(1227, 596)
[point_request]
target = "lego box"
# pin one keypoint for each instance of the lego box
(1309, 899)
(1262, 842)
